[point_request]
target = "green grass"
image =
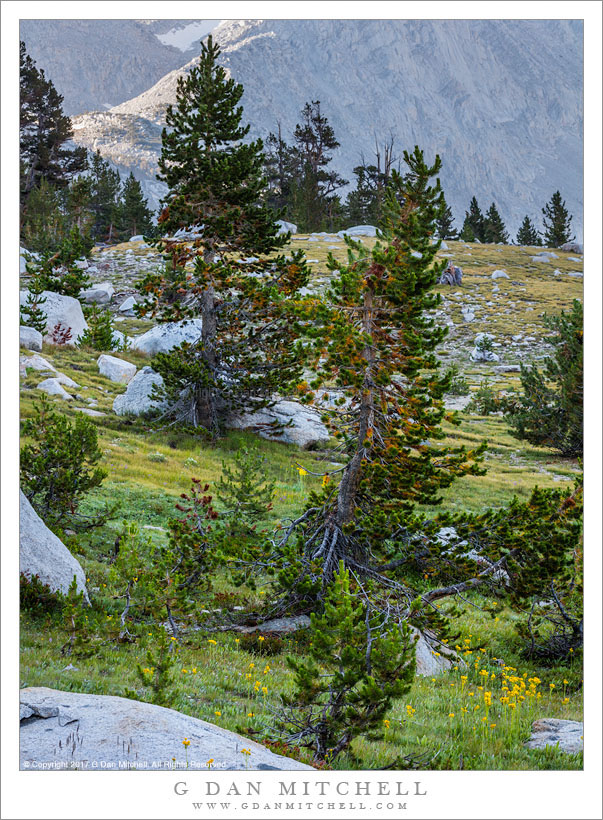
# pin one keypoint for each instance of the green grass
(148, 468)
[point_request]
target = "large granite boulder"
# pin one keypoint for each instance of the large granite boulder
(30, 338)
(99, 293)
(43, 554)
(359, 230)
(306, 428)
(53, 387)
(164, 337)
(116, 369)
(568, 735)
(574, 247)
(63, 310)
(137, 401)
(35, 362)
(94, 732)
(285, 227)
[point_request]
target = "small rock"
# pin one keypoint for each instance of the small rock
(30, 338)
(116, 369)
(285, 227)
(99, 294)
(500, 274)
(359, 230)
(127, 306)
(573, 259)
(567, 735)
(53, 388)
(88, 412)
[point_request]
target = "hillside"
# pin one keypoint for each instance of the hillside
(491, 97)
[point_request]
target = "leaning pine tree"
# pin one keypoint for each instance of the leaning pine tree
(374, 346)
(246, 351)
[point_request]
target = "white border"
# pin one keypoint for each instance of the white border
(451, 795)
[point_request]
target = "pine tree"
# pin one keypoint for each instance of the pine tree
(105, 186)
(44, 130)
(280, 168)
(246, 349)
(31, 313)
(473, 226)
(353, 671)
(556, 221)
(43, 223)
(527, 234)
(313, 189)
(99, 333)
(135, 217)
(444, 224)
(374, 343)
(494, 228)
(550, 410)
(364, 205)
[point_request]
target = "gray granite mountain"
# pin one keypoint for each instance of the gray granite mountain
(499, 100)
(100, 63)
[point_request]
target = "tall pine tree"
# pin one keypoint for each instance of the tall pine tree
(134, 215)
(556, 221)
(374, 347)
(494, 227)
(246, 350)
(473, 226)
(105, 184)
(444, 224)
(527, 234)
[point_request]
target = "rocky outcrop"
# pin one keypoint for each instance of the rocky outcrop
(137, 401)
(30, 338)
(164, 337)
(116, 369)
(286, 421)
(358, 230)
(567, 735)
(43, 554)
(78, 731)
(573, 247)
(63, 310)
(285, 227)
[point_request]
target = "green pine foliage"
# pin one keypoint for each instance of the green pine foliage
(134, 215)
(99, 333)
(550, 410)
(557, 222)
(494, 227)
(105, 184)
(43, 132)
(474, 225)
(58, 462)
(445, 226)
(243, 488)
(57, 272)
(31, 314)
(528, 234)
(374, 345)
(246, 351)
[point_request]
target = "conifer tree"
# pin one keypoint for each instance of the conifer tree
(444, 224)
(473, 226)
(31, 314)
(43, 223)
(527, 234)
(215, 182)
(105, 186)
(374, 343)
(550, 410)
(556, 221)
(44, 129)
(494, 228)
(135, 217)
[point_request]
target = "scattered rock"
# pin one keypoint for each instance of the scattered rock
(479, 354)
(88, 412)
(359, 230)
(35, 363)
(137, 401)
(43, 554)
(66, 381)
(500, 274)
(305, 430)
(30, 338)
(138, 238)
(116, 369)
(285, 227)
(54, 388)
(64, 310)
(507, 368)
(127, 306)
(568, 735)
(573, 259)
(164, 337)
(278, 626)
(433, 659)
(573, 247)
(63, 727)
(100, 293)
(82, 263)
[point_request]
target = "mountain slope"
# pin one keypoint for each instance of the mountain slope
(500, 101)
(96, 64)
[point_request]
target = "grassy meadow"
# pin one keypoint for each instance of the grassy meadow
(476, 716)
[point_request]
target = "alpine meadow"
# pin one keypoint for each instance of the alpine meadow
(301, 395)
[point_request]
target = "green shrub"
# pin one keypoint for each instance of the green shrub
(99, 333)
(58, 465)
(485, 400)
(459, 386)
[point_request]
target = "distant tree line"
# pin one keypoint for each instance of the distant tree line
(62, 187)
